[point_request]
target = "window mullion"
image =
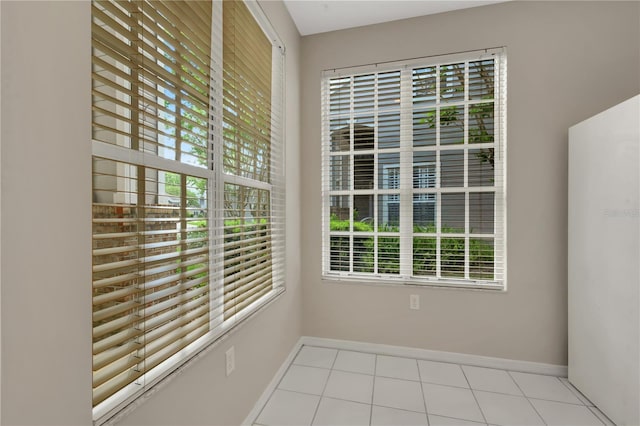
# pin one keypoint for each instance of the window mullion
(466, 171)
(376, 178)
(438, 180)
(352, 162)
(406, 169)
(215, 186)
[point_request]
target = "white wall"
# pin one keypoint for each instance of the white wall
(46, 221)
(566, 61)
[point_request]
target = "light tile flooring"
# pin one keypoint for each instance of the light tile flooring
(335, 387)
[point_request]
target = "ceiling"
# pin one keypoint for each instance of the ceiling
(318, 16)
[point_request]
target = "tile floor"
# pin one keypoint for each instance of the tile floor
(335, 387)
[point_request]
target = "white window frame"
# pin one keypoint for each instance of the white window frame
(407, 191)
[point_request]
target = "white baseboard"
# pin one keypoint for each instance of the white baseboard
(406, 352)
(255, 411)
(452, 357)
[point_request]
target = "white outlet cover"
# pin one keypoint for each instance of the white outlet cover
(414, 301)
(230, 358)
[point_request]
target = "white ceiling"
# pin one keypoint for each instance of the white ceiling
(318, 16)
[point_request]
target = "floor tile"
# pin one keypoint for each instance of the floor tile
(442, 373)
(489, 379)
(394, 393)
(336, 412)
(507, 410)
(288, 408)
(313, 356)
(448, 421)
(350, 386)
(451, 402)
(397, 368)
(355, 362)
(544, 387)
(576, 392)
(304, 379)
(560, 414)
(385, 416)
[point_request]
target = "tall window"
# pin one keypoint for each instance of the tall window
(413, 171)
(188, 185)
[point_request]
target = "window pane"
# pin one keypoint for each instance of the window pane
(247, 246)
(389, 171)
(424, 212)
(363, 254)
(452, 125)
(451, 168)
(340, 175)
(481, 171)
(389, 131)
(339, 253)
(363, 90)
(339, 213)
(481, 123)
(452, 212)
(389, 255)
(389, 213)
(340, 134)
(389, 90)
(452, 83)
(363, 133)
(481, 212)
(481, 252)
(424, 86)
(424, 127)
(150, 248)
(452, 257)
(363, 171)
(424, 256)
(339, 95)
(424, 169)
(481, 79)
(363, 213)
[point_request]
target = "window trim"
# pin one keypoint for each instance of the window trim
(500, 215)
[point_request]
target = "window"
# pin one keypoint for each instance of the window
(188, 185)
(414, 171)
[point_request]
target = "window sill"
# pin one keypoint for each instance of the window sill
(492, 287)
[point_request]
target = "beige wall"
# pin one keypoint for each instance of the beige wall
(46, 221)
(566, 62)
(46, 214)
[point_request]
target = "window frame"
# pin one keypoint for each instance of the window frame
(406, 150)
(213, 171)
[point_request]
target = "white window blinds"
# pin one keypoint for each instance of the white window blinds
(413, 171)
(188, 184)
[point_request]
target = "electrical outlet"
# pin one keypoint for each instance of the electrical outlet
(414, 301)
(230, 356)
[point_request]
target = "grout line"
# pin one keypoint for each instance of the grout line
(527, 398)
(333, 364)
(559, 402)
(424, 399)
(373, 388)
(474, 394)
(458, 418)
(324, 388)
